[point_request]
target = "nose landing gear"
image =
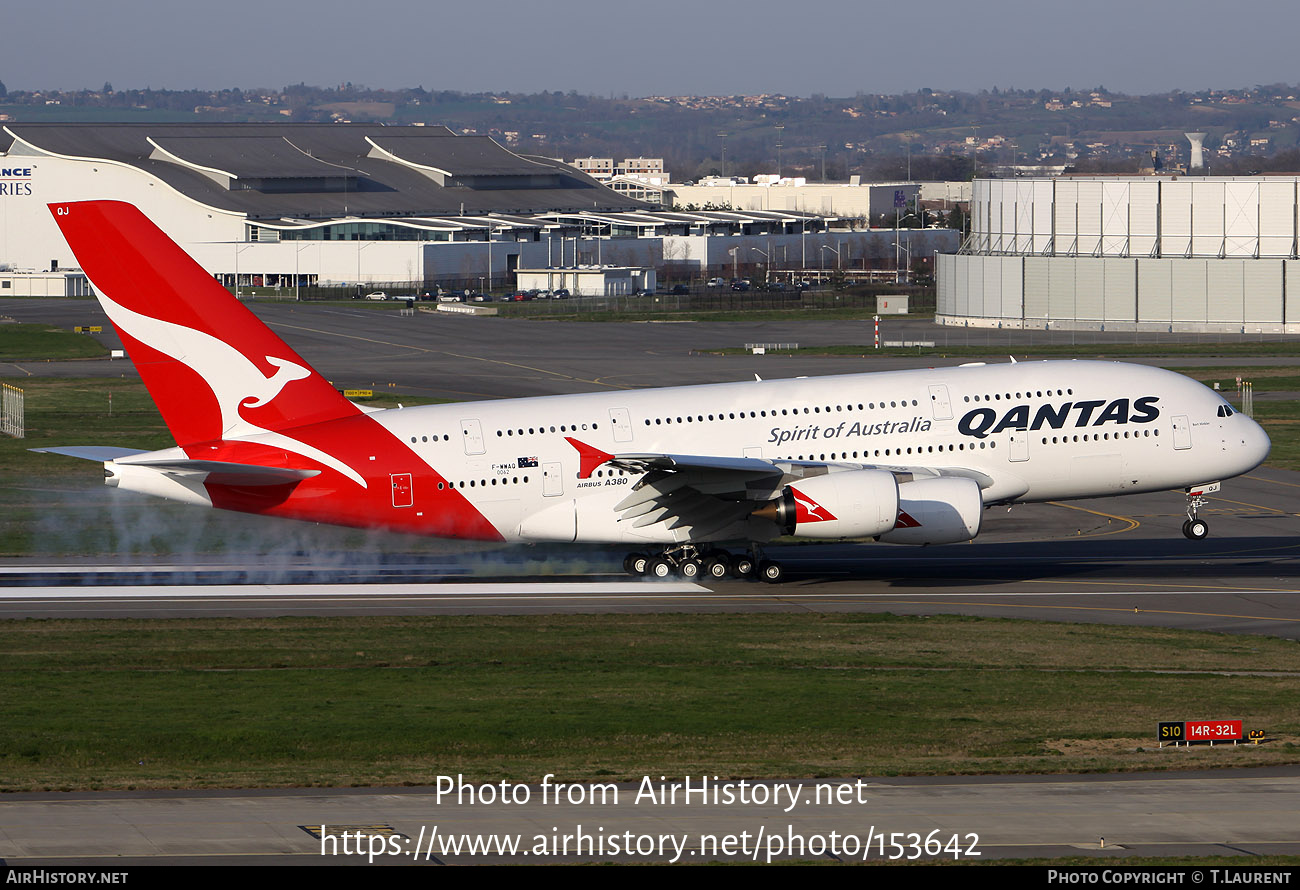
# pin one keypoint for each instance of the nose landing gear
(1195, 528)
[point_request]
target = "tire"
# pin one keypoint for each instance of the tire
(742, 566)
(771, 572)
(1197, 530)
(689, 569)
(717, 567)
(659, 567)
(636, 564)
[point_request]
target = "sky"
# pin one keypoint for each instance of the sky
(669, 47)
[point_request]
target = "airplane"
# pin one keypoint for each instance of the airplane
(912, 457)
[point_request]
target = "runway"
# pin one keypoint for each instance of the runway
(1232, 813)
(1112, 560)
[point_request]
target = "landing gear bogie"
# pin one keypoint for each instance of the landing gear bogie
(691, 563)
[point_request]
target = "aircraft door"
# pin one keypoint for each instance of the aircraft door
(1182, 433)
(552, 479)
(403, 491)
(940, 403)
(1017, 445)
(471, 431)
(622, 422)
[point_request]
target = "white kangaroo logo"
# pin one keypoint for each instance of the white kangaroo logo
(811, 507)
(233, 379)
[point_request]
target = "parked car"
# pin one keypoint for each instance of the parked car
(377, 295)
(560, 294)
(717, 282)
(450, 298)
(679, 289)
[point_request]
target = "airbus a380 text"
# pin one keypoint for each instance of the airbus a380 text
(902, 456)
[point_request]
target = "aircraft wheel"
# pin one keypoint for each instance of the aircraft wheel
(1196, 529)
(742, 566)
(717, 566)
(636, 564)
(659, 567)
(689, 569)
(772, 572)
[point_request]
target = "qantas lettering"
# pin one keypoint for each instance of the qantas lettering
(982, 422)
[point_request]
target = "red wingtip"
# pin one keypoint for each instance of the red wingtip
(589, 457)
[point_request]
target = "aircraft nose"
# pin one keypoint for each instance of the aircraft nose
(1254, 441)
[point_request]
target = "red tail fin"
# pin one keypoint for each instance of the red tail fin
(214, 370)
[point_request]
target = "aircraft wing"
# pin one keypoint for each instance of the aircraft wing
(712, 493)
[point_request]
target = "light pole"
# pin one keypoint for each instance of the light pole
(297, 276)
(898, 245)
(735, 268)
(723, 137)
(767, 270)
(835, 251)
(238, 251)
(779, 129)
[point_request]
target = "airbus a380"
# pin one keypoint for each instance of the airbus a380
(910, 457)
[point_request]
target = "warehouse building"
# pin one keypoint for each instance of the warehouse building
(1159, 253)
(301, 205)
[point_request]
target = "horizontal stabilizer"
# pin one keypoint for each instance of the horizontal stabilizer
(226, 473)
(97, 453)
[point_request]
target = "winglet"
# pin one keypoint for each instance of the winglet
(589, 457)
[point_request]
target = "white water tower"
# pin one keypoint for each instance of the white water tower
(1198, 158)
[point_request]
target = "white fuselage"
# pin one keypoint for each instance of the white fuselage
(1032, 431)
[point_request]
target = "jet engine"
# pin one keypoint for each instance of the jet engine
(943, 510)
(854, 504)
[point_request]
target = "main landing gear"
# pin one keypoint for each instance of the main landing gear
(691, 562)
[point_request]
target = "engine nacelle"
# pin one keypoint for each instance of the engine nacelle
(854, 504)
(937, 511)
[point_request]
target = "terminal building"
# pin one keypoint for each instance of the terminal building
(312, 205)
(1153, 252)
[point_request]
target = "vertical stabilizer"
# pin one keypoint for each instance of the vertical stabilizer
(213, 368)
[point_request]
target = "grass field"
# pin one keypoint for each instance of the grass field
(38, 342)
(314, 701)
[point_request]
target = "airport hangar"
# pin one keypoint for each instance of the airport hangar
(1128, 253)
(297, 205)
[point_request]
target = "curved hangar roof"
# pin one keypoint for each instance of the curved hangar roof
(324, 171)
